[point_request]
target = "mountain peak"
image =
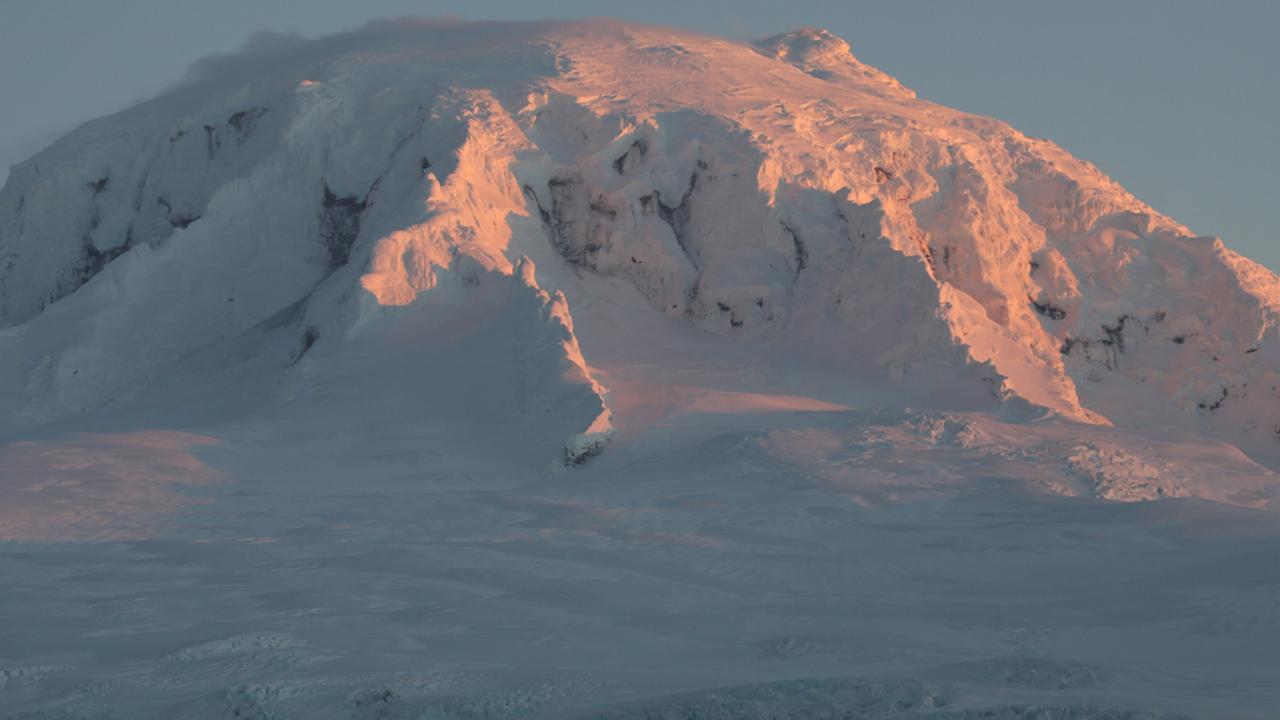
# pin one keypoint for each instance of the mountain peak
(592, 369)
(823, 54)
(782, 193)
(806, 44)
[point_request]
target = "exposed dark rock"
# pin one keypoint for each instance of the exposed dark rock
(801, 256)
(530, 193)
(933, 257)
(309, 338)
(574, 459)
(245, 121)
(632, 157)
(179, 220)
(1115, 334)
(340, 225)
(1112, 344)
(677, 217)
(561, 224)
(91, 262)
(182, 221)
(212, 141)
(1211, 406)
(1048, 310)
(600, 207)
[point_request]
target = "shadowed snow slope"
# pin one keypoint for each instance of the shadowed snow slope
(783, 190)
(793, 332)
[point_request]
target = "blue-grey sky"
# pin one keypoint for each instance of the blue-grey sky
(1177, 100)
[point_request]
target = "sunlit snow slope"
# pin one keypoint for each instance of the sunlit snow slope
(783, 191)
(782, 371)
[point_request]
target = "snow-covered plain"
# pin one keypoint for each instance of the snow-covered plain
(557, 370)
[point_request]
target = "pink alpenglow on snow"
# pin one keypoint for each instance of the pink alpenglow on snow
(593, 369)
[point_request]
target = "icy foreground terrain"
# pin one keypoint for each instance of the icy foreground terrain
(591, 370)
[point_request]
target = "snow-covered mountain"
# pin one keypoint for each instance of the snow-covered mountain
(783, 191)
(323, 252)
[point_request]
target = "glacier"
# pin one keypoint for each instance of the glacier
(594, 369)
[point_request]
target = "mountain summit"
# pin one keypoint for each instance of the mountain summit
(590, 369)
(782, 192)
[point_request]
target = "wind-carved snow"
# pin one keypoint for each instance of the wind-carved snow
(1120, 475)
(505, 330)
(793, 192)
(231, 273)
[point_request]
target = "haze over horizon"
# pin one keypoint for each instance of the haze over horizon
(1137, 89)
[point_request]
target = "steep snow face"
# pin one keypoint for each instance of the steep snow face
(812, 379)
(236, 232)
(783, 193)
(1077, 293)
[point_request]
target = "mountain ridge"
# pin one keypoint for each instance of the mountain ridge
(769, 189)
(557, 370)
